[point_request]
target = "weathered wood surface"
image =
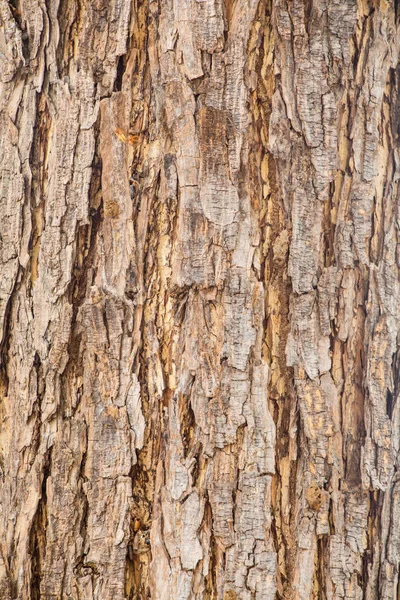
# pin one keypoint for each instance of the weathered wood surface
(199, 299)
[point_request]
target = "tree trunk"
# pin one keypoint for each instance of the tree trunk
(199, 299)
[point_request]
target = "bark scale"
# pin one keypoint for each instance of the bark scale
(199, 307)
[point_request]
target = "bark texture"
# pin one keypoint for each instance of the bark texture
(199, 299)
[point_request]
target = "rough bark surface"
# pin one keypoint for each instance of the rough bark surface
(199, 299)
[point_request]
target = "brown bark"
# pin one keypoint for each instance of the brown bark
(199, 307)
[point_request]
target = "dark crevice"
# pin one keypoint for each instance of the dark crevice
(389, 404)
(15, 7)
(84, 516)
(5, 343)
(120, 73)
(395, 102)
(374, 516)
(329, 229)
(37, 537)
(136, 576)
(105, 323)
(187, 420)
(322, 553)
(143, 486)
(396, 379)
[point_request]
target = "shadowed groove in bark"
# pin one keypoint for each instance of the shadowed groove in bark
(37, 537)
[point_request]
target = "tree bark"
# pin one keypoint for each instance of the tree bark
(199, 299)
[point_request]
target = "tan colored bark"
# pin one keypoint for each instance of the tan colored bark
(199, 307)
